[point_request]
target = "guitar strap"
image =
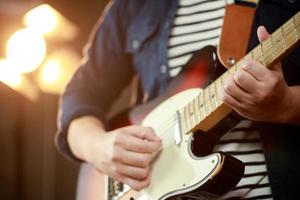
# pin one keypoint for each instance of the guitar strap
(235, 32)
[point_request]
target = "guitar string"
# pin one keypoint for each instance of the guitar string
(167, 124)
(203, 91)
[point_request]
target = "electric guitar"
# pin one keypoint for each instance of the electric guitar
(190, 121)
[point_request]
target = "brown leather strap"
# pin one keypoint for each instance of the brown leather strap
(235, 33)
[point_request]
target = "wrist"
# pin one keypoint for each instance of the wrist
(291, 110)
(82, 132)
(90, 147)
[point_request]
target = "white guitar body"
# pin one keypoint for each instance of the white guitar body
(176, 170)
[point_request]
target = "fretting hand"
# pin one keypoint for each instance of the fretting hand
(256, 92)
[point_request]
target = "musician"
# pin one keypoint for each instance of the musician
(155, 39)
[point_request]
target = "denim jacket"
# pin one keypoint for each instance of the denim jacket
(132, 37)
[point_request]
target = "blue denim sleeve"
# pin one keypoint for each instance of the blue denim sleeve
(104, 71)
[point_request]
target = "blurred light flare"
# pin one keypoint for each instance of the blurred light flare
(43, 19)
(57, 70)
(26, 49)
(8, 75)
(51, 72)
(49, 22)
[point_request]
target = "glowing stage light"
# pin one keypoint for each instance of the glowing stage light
(8, 76)
(42, 18)
(57, 70)
(46, 20)
(26, 50)
(51, 72)
(17, 81)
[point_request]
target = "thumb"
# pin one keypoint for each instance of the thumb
(262, 33)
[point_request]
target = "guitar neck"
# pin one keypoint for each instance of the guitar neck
(207, 109)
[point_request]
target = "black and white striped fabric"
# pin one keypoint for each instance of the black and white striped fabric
(198, 24)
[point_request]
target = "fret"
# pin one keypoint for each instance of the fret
(295, 29)
(267, 46)
(290, 36)
(217, 98)
(207, 99)
(216, 92)
(216, 84)
(205, 104)
(197, 110)
(212, 96)
(256, 54)
(272, 47)
(283, 38)
(266, 52)
(186, 117)
(182, 121)
(206, 112)
(297, 21)
(202, 105)
(194, 111)
(220, 86)
(277, 42)
(262, 54)
(222, 79)
(192, 114)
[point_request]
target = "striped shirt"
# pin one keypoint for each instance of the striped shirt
(197, 24)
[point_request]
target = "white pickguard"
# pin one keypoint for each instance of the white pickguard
(175, 168)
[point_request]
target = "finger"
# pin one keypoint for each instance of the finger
(136, 144)
(277, 67)
(235, 105)
(245, 81)
(130, 171)
(145, 133)
(232, 89)
(256, 69)
(136, 159)
(230, 100)
(262, 33)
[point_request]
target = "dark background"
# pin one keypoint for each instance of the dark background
(31, 167)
